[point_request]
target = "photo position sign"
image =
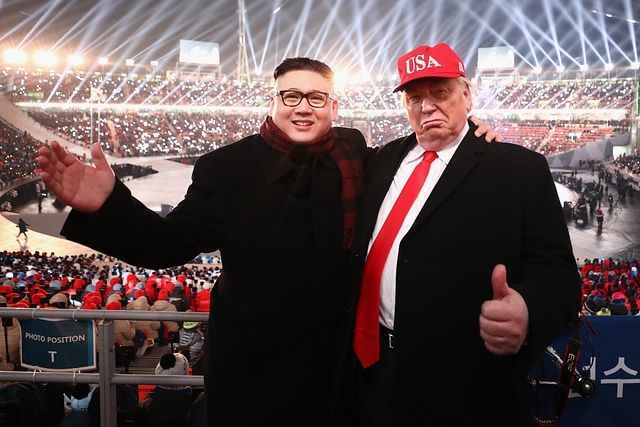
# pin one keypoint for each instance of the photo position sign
(58, 345)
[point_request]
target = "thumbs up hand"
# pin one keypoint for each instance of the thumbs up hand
(504, 320)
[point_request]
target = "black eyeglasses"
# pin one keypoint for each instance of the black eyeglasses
(293, 98)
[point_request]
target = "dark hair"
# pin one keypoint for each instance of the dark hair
(80, 391)
(168, 361)
(303, 64)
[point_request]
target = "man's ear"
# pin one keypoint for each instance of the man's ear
(334, 108)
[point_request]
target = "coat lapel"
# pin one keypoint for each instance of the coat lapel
(462, 162)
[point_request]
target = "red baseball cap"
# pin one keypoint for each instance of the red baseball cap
(426, 61)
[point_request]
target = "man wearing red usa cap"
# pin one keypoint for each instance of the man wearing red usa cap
(442, 342)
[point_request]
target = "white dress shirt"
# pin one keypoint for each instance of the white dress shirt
(411, 160)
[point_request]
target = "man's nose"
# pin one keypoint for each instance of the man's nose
(304, 106)
(427, 105)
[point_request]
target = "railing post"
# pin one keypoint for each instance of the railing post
(106, 338)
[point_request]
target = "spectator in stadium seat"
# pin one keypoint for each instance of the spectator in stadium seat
(124, 332)
(192, 340)
(78, 416)
(151, 327)
(203, 298)
(59, 300)
(163, 304)
(178, 297)
(292, 190)
(168, 406)
(440, 343)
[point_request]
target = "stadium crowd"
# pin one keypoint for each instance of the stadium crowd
(18, 155)
(134, 134)
(611, 287)
(97, 282)
(154, 90)
(375, 110)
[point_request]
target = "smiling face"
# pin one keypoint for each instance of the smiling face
(303, 123)
(437, 109)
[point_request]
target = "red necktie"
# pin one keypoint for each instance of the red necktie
(366, 340)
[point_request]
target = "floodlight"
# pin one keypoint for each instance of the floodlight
(129, 62)
(635, 65)
(537, 69)
(258, 71)
(153, 63)
(45, 58)
(103, 61)
(74, 60)
(584, 67)
(15, 56)
(340, 78)
(559, 68)
(608, 66)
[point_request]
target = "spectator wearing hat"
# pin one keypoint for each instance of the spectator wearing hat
(116, 296)
(169, 405)
(124, 332)
(23, 303)
(594, 303)
(443, 191)
(162, 304)
(93, 297)
(179, 298)
(203, 298)
(59, 300)
(9, 284)
(150, 327)
(191, 339)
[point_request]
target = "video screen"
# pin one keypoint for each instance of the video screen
(498, 57)
(197, 52)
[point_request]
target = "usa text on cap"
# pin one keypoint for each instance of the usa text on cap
(426, 61)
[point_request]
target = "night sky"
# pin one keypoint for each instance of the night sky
(357, 36)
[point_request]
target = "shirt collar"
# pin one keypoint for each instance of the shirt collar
(445, 154)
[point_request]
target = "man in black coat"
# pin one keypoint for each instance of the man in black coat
(478, 276)
(272, 357)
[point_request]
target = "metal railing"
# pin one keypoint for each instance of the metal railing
(106, 378)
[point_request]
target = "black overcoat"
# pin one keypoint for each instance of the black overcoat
(495, 203)
(272, 353)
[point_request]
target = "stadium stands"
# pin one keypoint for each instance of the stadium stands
(188, 118)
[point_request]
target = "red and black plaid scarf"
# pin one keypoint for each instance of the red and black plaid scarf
(342, 152)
